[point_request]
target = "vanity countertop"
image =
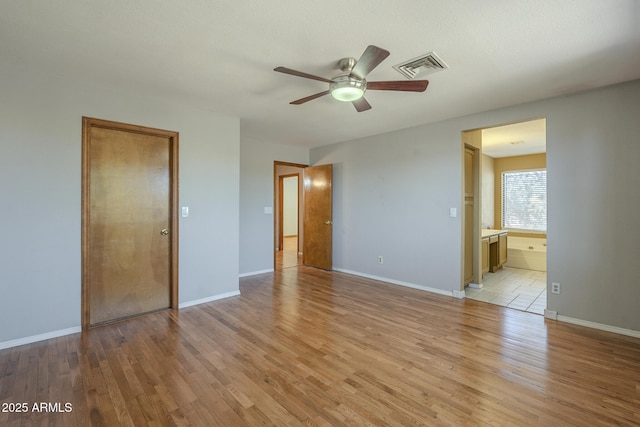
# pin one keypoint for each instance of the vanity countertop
(489, 233)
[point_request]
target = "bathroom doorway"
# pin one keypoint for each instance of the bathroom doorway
(513, 199)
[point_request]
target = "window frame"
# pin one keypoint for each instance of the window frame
(502, 202)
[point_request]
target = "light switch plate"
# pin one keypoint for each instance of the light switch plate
(185, 211)
(453, 212)
(268, 210)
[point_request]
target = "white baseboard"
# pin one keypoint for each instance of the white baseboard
(600, 326)
(78, 329)
(458, 294)
(253, 273)
(40, 337)
(209, 299)
(475, 285)
(453, 293)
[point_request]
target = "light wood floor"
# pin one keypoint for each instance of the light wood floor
(289, 256)
(315, 348)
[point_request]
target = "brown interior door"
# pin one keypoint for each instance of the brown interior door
(318, 217)
(469, 202)
(129, 223)
(468, 242)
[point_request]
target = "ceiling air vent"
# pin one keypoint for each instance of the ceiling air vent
(421, 66)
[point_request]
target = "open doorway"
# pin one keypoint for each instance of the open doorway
(314, 242)
(288, 221)
(289, 248)
(513, 213)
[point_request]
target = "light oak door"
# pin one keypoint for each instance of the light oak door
(129, 221)
(318, 217)
(469, 202)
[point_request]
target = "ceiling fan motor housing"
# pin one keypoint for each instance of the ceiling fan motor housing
(346, 64)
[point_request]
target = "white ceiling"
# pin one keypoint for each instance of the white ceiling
(515, 139)
(220, 54)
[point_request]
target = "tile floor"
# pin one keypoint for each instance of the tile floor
(524, 290)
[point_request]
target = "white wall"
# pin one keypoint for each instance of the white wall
(593, 180)
(290, 208)
(256, 192)
(40, 195)
(392, 195)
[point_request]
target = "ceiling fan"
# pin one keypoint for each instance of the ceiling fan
(350, 84)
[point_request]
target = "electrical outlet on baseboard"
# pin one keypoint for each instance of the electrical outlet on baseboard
(380, 259)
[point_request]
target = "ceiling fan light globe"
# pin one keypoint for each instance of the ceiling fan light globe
(347, 94)
(346, 89)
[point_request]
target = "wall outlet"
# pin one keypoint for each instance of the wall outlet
(380, 260)
(555, 288)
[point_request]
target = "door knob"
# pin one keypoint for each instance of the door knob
(164, 231)
(328, 222)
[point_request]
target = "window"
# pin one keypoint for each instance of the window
(524, 200)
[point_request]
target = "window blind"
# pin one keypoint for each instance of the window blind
(524, 200)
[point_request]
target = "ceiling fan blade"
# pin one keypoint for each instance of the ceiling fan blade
(401, 85)
(309, 98)
(300, 74)
(371, 57)
(361, 105)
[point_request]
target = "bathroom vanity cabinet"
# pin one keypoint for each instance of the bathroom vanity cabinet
(485, 255)
(494, 250)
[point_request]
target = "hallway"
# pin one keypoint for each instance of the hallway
(288, 256)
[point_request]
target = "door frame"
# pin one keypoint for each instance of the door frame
(472, 140)
(277, 200)
(87, 124)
